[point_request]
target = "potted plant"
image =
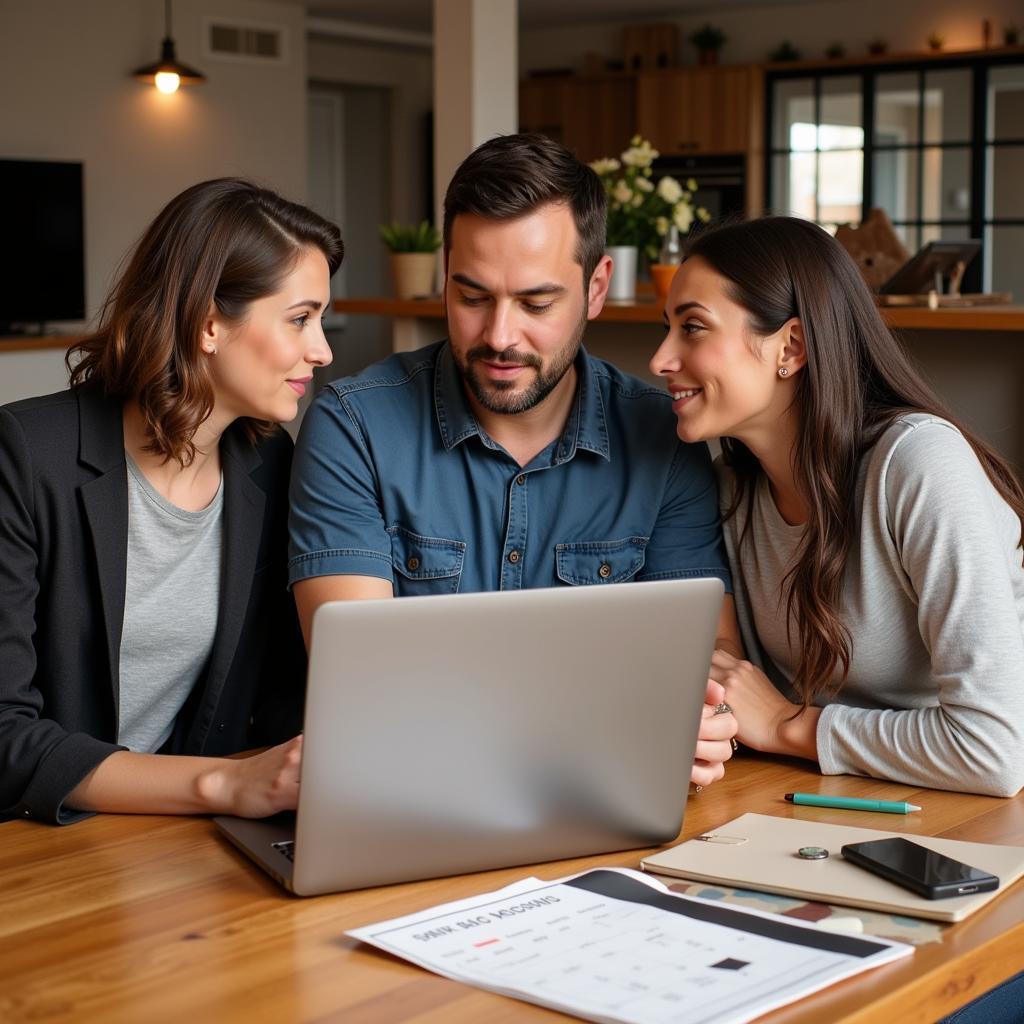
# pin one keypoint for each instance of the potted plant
(835, 50)
(877, 47)
(1011, 34)
(413, 257)
(708, 40)
(784, 53)
(936, 41)
(640, 211)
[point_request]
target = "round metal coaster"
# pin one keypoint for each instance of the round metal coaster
(812, 853)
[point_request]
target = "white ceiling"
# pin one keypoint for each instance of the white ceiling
(416, 15)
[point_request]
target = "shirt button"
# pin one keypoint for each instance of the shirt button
(221, 727)
(605, 571)
(521, 479)
(413, 564)
(513, 557)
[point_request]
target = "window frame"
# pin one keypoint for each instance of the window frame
(977, 146)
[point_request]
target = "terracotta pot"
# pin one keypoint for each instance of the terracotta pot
(413, 274)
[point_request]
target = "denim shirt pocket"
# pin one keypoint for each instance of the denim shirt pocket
(425, 565)
(600, 561)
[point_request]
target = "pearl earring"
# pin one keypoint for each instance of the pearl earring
(783, 372)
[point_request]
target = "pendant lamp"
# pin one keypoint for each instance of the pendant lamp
(168, 72)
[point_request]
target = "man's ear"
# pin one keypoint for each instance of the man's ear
(597, 289)
(792, 348)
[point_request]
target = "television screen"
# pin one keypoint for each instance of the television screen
(42, 259)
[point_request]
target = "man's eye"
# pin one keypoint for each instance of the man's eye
(531, 307)
(473, 300)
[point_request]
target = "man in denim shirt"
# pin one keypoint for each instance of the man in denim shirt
(506, 457)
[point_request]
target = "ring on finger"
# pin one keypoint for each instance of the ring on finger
(723, 709)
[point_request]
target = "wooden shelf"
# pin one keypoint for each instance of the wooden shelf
(647, 310)
(36, 343)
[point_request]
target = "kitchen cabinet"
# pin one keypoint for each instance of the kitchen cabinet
(693, 111)
(594, 116)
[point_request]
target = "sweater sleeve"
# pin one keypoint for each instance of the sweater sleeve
(954, 549)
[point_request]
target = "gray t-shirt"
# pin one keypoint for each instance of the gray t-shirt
(933, 598)
(170, 609)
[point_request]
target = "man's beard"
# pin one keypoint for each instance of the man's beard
(500, 396)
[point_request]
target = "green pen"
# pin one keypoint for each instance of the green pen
(850, 803)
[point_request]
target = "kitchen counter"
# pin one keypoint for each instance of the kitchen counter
(647, 310)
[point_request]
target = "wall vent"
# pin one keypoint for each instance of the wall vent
(232, 39)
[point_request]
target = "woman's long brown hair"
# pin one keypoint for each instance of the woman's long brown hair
(858, 379)
(224, 242)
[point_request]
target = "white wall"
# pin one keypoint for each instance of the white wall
(67, 95)
(809, 26)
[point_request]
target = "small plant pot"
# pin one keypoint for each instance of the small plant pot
(707, 56)
(413, 274)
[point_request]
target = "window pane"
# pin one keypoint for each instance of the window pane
(909, 235)
(793, 114)
(1005, 268)
(945, 233)
(1006, 103)
(842, 114)
(793, 185)
(897, 102)
(1006, 181)
(896, 183)
(840, 186)
(947, 184)
(947, 105)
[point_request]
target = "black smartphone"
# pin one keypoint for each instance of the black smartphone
(919, 869)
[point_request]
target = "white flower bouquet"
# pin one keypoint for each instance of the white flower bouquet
(640, 212)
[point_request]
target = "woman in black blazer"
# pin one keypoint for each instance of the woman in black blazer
(206, 343)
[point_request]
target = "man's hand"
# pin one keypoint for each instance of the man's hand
(766, 718)
(714, 746)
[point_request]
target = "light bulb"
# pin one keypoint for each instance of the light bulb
(167, 81)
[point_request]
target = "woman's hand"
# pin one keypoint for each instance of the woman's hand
(714, 740)
(765, 716)
(254, 787)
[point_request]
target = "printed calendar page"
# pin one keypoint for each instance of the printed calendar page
(616, 945)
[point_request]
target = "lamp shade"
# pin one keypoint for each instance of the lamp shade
(168, 64)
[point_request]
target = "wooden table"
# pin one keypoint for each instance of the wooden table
(129, 919)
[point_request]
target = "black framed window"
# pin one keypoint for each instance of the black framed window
(939, 145)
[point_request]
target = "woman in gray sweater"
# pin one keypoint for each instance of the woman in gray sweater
(875, 541)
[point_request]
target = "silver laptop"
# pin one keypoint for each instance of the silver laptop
(466, 732)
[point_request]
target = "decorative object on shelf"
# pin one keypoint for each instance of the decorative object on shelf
(1011, 35)
(877, 47)
(168, 72)
(936, 41)
(835, 50)
(709, 40)
(641, 211)
(650, 47)
(874, 246)
(784, 53)
(413, 257)
(669, 258)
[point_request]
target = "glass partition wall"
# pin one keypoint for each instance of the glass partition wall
(938, 145)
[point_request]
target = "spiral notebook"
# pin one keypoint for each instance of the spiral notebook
(758, 851)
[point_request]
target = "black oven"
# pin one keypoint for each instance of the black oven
(721, 181)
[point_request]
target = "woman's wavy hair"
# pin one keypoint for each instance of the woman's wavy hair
(222, 243)
(857, 380)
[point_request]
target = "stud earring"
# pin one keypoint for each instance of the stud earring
(212, 349)
(783, 372)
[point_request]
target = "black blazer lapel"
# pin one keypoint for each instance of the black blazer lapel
(105, 503)
(244, 506)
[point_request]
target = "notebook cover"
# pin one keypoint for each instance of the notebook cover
(767, 861)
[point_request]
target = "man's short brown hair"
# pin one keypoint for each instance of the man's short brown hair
(512, 175)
